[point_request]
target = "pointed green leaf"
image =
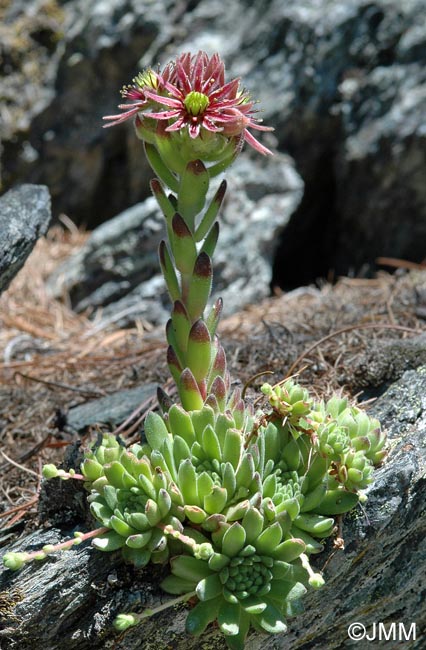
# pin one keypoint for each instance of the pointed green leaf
(189, 391)
(253, 525)
(336, 502)
(101, 513)
(233, 540)
(216, 500)
(159, 167)
(229, 618)
(121, 527)
(189, 568)
(181, 424)
(269, 539)
(211, 213)
(200, 286)
(201, 419)
(140, 540)
(233, 447)
(183, 245)
(199, 351)
(204, 484)
(289, 550)
(211, 443)
(118, 477)
(272, 620)
(192, 191)
(91, 469)
(201, 615)
(228, 479)
(110, 541)
(195, 514)
(210, 241)
(168, 270)
(209, 588)
(188, 483)
(155, 430)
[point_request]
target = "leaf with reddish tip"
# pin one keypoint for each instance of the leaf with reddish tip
(183, 245)
(212, 402)
(219, 366)
(189, 392)
(218, 389)
(164, 401)
(199, 352)
(174, 365)
(200, 286)
(164, 203)
(181, 325)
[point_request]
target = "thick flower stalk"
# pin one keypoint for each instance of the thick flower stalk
(235, 501)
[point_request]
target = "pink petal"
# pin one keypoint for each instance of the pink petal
(164, 115)
(194, 130)
(229, 89)
(259, 127)
(211, 126)
(122, 117)
(176, 126)
(251, 140)
(167, 101)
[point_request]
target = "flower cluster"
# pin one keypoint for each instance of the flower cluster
(189, 98)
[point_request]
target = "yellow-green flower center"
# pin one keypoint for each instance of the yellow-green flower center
(196, 103)
(145, 79)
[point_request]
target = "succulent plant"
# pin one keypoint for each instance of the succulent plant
(247, 581)
(235, 501)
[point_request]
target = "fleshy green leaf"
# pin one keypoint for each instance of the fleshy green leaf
(189, 568)
(289, 550)
(233, 540)
(155, 430)
(110, 541)
(175, 585)
(337, 502)
(272, 620)
(229, 618)
(210, 587)
(269, 539)
(201, 615)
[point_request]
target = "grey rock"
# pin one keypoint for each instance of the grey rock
(263, 194)
(117, 269)
(385, 361)
(93, 49)
(119, 255)
(343, 84)
(24, 218)
(71, 599)
(110, 410)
